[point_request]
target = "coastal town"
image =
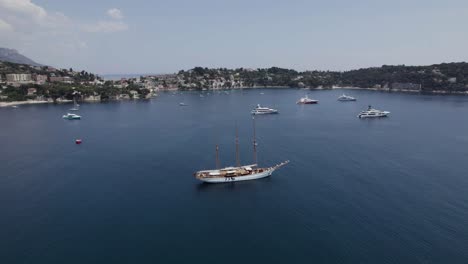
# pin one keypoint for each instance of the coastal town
(41, 84)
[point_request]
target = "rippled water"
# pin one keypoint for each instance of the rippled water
(392, 190)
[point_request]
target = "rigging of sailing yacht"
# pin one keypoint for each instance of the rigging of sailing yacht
(76, 106)
(238, 173)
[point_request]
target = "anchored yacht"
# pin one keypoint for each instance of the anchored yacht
(259, 110)
(306, 100)
(345, 98)
(238, 173)
(233, 174)
(70, 116)
(371, 112)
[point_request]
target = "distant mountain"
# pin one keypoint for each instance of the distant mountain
(12, 55)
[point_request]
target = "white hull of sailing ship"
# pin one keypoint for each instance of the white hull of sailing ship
(235, 179)
(234, 174)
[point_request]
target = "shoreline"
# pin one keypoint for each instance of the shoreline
(13, 103)
(433, 92)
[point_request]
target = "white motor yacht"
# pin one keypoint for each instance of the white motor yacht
(371, 112)
(345, 98)
(259, 110)
(70, 116)
(307, 100)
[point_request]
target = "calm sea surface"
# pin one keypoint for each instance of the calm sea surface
(392, 190)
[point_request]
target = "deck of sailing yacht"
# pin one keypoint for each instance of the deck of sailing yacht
(238, 173)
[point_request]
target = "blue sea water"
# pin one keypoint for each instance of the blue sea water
(390, 190)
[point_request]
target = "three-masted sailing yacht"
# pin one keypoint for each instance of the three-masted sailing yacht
(238, 173)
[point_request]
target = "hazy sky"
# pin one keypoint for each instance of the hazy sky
(139, 36)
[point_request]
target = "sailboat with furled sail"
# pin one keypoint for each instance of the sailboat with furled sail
(238, 173)
(76, 106)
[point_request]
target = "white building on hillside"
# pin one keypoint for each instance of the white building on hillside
(18, 77)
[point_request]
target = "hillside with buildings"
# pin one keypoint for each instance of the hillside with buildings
(17, 74)
(445, 77)
(21, 82)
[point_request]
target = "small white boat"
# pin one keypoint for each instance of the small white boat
(259, 110)
(371, 112)
(306, 100)
(70, 116)
(14, 106)
(182, 104)
(345, 98)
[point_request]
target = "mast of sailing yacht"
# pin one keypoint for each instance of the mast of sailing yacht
(217, 156)
(237, 147)
(254, 142)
